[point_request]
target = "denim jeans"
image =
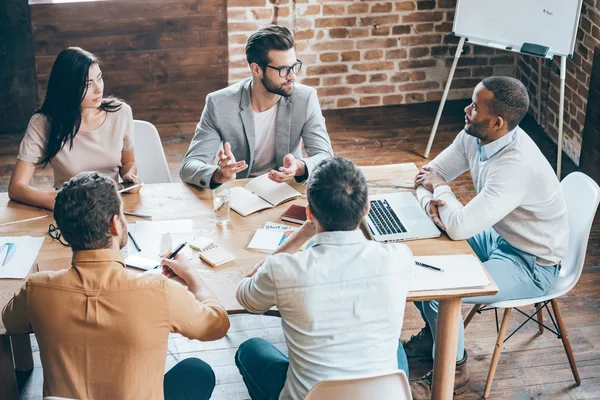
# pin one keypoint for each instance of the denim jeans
(264, 367)
(190, 379)
(515, 273)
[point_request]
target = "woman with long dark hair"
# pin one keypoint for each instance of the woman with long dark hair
(75, 130)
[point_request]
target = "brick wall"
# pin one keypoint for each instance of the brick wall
(577, 83)
(368, 53)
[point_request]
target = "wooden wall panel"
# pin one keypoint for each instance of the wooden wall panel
(161, 56)
(18, 91)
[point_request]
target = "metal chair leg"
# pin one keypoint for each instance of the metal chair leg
(566, 342)
(497, 351)
(471, 314)
(540, 316)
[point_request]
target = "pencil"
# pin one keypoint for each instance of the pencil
(134, 242)
(23, 220)
(137, 214)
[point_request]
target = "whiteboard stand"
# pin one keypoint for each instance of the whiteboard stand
(459, 49)
(561, 112)
(561, 109)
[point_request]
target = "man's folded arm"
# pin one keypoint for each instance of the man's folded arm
(197, 166)
(501, 195)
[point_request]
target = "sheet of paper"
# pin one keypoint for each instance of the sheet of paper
(148, 234)
(178, 238)
(272, 192)
(460, 271)
(17, 255)
(265, 240)
(143, 263)
(275, 226)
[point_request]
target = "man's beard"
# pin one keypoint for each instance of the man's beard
(476, 129)
(280, 90)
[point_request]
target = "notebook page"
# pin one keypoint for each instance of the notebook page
(273, 192)
(460, 271)
(244, 202)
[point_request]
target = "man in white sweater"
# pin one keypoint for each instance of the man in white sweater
(341, 300)
(516, 224)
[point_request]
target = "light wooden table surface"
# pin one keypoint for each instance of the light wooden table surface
(178, 201)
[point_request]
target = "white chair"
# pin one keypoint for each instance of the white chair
(582, 195)
(149, 155)
(389, 386)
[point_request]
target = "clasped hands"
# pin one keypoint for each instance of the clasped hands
(430, 179)
(229, 167)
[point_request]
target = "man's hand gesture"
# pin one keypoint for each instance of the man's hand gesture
(228, 167)
(288, 171)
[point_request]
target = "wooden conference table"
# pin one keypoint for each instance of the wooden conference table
(178, 201)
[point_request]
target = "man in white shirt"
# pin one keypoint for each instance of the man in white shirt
(261, 121)
(341, 300)
(516, 224)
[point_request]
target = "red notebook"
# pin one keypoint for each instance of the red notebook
(295, 214)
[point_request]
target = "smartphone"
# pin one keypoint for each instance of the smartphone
(127, 186)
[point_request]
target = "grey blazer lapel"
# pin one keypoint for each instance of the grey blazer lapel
(283, 124)
(248, 125)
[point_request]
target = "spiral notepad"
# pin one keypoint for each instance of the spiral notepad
(216, 256)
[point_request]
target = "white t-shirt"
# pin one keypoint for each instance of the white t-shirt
(264, 141)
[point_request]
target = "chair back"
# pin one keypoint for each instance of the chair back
(389, 386)
(582, 195)
(57, 398)
(149, 155)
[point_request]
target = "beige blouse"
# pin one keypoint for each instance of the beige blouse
(98, 150)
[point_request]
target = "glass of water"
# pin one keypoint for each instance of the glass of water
(221, 202)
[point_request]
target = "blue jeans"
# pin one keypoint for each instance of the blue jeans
(264, 368)
(191, 378)
(515, 273)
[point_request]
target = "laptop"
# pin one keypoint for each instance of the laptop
(395, 217)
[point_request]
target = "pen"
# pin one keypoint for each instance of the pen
(174, 253)
(130, 187)
(134, 242)
(137, 215)
(428, 266)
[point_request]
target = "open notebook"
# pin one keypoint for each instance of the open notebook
(259, 194)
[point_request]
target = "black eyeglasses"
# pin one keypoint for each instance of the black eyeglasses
(285, 70)
(54, 233)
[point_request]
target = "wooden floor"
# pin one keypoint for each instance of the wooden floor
(531, 366)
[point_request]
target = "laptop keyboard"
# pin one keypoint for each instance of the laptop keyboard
(384, 218)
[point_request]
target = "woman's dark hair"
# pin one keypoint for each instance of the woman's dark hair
(67, 87)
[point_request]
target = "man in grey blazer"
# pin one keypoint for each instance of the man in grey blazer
(262, 121)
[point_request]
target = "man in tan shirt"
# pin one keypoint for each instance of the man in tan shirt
(102, 329)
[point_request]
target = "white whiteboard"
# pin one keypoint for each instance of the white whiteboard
(510, 23)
